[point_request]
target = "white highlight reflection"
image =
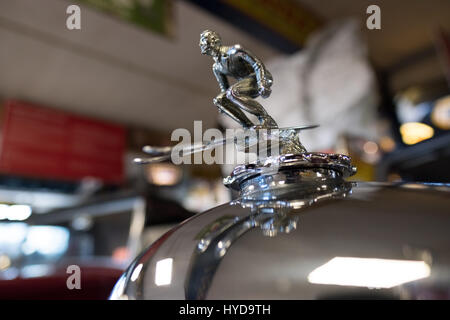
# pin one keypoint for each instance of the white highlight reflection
(369, 272)
(163, 272)
(16, 212)
(136, 272)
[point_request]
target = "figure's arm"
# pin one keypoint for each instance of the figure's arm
(221, 78)
(263, 77)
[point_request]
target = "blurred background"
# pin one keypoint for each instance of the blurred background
(78, 105)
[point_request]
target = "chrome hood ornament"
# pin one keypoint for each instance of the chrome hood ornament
(281, 147)
(294, 212)
(252, 78)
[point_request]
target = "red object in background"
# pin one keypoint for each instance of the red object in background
(45, 143)
(96, 284)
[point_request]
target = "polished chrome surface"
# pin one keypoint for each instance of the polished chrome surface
(259, 248)
(333, 165)
(270, 211)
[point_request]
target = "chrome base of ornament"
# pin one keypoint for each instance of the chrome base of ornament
(272, 171)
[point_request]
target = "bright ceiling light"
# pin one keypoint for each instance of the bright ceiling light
(163, 272)
(414, 132)
(46, 240)
(369, 272)
(19, 212)
(15, 212)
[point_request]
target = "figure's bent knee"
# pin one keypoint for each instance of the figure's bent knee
(231, 94)
(219, 100)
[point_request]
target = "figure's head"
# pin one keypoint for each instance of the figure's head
(210, 42)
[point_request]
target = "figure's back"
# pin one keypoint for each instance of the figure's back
(234, 64)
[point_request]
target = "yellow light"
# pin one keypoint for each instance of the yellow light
(163, 272)
(414, 132)
(5, 262)
(370, 147)
(163, 174)
(440, 116)
(369, 272)
(387, 144)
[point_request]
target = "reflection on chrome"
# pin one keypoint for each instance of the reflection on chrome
(163, 272)
(119, 288)
(273, 215)
(136, 272)
(369, 272)
(275, 211)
